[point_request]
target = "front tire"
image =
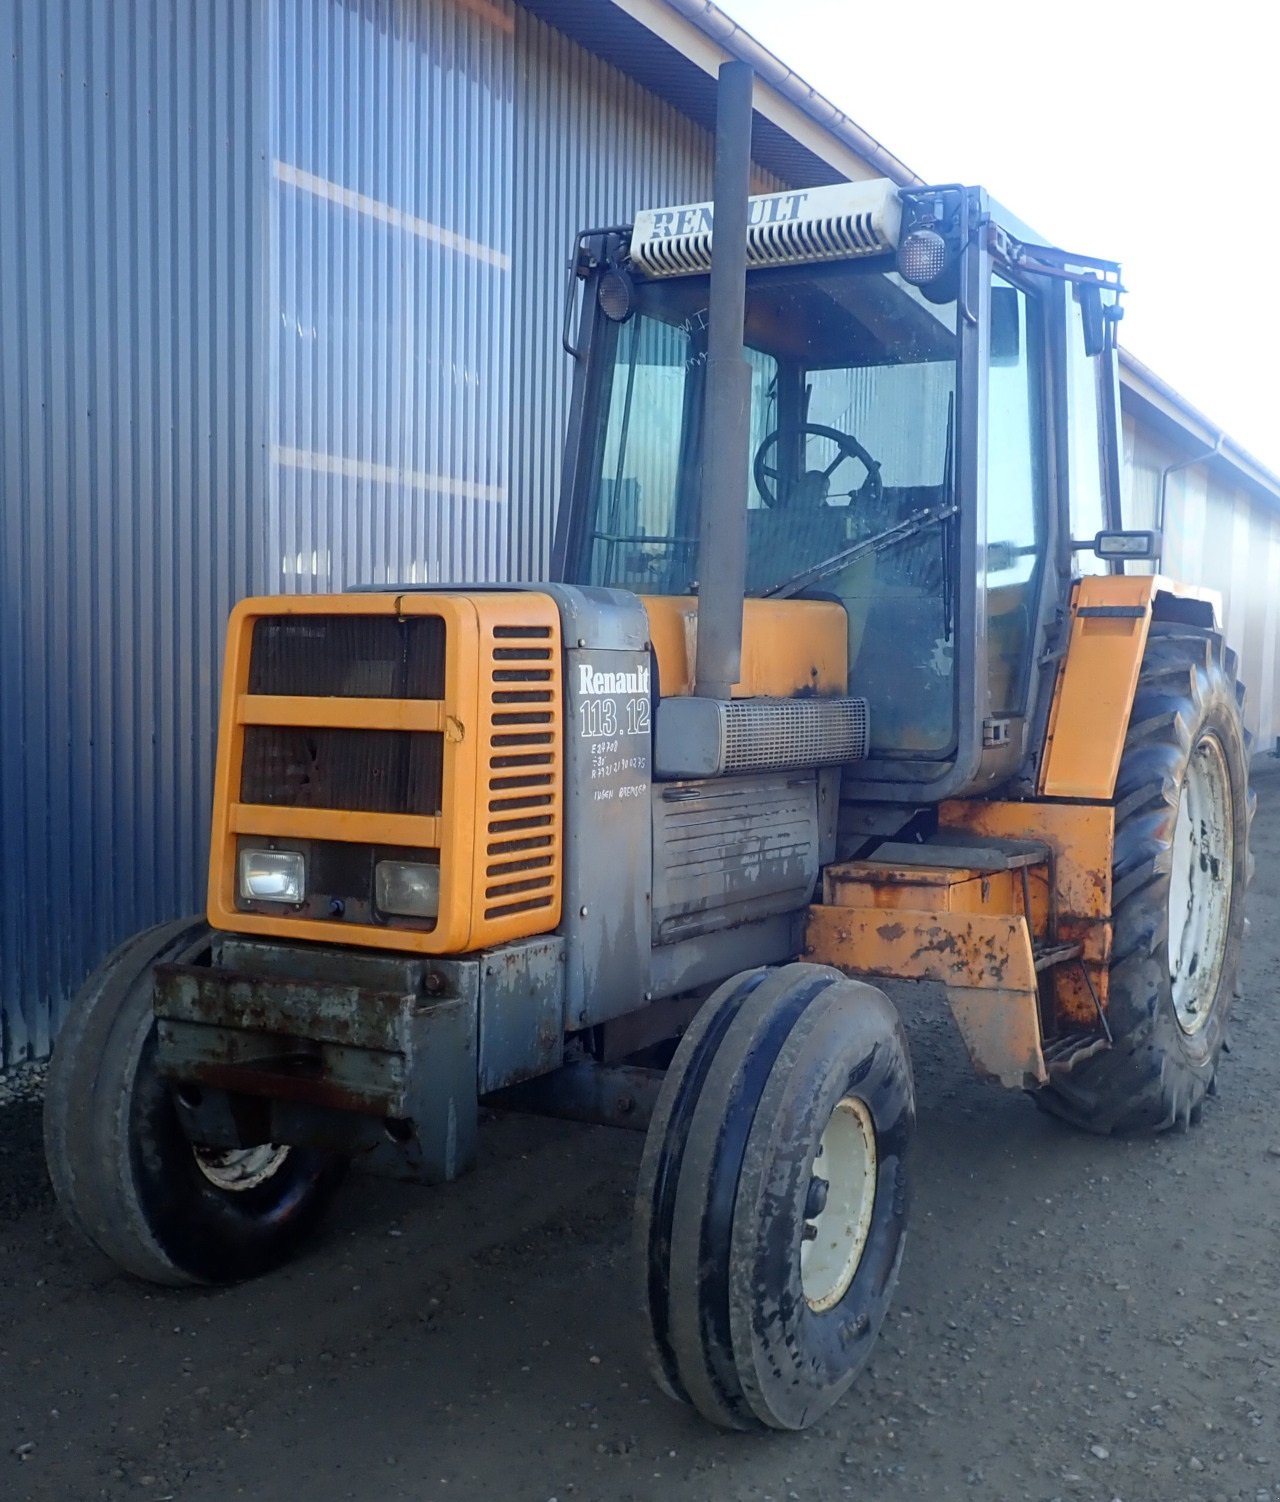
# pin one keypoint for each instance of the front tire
(1181, 865)
(124, 1172)
(772, 1202)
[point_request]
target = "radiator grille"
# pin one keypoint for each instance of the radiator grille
(762, 733)
(416, 727)
(374, 771)
(520, 779)
(348, 657)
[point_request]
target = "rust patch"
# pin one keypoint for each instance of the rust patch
(250, 1079)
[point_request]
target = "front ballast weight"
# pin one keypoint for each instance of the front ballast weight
(207, 1093)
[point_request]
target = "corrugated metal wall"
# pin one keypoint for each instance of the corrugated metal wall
(390, 267)
(131, 444)
(592, 148)
(280, 301)
(1226, 538)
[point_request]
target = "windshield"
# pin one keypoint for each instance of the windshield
(853, 378)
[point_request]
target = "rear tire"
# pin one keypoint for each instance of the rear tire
(124, 1172)
(1181, 865)
(772, 1202)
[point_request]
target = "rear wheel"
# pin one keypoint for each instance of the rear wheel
(772, 1203)
(123, 1170)
(1181, 865)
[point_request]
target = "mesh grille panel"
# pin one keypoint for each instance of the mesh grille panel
(370, 771)
(348, 657)
(793, 733)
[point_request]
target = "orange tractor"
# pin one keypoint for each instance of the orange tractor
(840, 676)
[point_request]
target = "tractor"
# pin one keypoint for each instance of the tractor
(848, 672)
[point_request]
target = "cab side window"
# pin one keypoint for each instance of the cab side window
(1084, 444)
(1015, 490)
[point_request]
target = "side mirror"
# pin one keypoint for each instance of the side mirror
(1093, 320)
(1128, 546)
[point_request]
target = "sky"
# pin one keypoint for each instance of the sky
(1146, 133)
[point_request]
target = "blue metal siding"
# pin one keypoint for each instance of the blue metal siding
(429, 165)
(130, 445)
(280, 299)
(592, 147)
(390, 268)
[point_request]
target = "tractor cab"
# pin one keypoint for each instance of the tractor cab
(911, 360)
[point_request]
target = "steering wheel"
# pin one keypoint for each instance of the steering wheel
(814, 485)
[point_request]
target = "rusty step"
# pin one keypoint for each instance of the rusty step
(1062, 1055)
(1049, 955)
(974, 854)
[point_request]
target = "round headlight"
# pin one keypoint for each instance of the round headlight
(616, 295)
(922, 257)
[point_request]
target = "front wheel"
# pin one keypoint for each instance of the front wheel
(123, 1170)
(772, 1202)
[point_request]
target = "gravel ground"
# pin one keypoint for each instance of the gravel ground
(1078, 1319)
(22, 1082)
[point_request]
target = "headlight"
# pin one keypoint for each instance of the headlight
(407, 888)
(272, 875)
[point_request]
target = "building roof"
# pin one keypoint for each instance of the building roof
(674, 47)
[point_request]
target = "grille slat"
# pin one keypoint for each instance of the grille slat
(511, 888)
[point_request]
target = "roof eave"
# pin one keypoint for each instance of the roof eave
(1151, 397)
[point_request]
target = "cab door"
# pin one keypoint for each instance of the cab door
(1012, 561)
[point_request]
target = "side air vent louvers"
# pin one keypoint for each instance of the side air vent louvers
(520, 780)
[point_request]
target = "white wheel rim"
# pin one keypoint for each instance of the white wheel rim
(239, 1168)
(834, 1239)
(1200, 885)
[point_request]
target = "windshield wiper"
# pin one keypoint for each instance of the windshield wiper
(918, 522)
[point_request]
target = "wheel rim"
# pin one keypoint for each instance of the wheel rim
(1200, 885)
(834, 1235)
(239, 1168)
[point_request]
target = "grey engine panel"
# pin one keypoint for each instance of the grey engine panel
(730, 849)
(656, 876)
(607, 852)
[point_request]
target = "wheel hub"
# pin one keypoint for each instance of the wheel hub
(239, 1168)
(1200, 877)
(838, 1215)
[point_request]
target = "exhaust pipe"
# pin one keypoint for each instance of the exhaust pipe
(722, 525)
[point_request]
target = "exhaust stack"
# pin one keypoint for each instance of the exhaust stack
(722, 525)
